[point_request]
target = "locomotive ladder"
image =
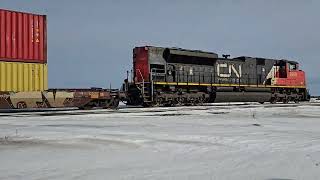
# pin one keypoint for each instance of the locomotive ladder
(146, 89)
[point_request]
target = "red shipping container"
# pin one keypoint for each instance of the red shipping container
(23, 37)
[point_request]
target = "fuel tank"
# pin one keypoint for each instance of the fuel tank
(242, 97)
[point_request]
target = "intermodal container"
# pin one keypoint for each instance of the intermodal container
(18, 76)
(23, 37)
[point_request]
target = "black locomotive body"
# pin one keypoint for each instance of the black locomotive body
(173, 76)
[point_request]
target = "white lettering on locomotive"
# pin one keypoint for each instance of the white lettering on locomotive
(231, 69)
(191, 71)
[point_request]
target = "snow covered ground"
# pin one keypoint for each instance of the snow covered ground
(221, 141)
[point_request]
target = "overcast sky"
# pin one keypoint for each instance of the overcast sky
(90, 42)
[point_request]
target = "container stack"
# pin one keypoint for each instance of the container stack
(23, 52)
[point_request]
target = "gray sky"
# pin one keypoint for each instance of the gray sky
(90, 42)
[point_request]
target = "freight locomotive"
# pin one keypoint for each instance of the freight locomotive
(174, 76)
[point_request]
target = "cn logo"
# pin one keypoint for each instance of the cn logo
(231, 69)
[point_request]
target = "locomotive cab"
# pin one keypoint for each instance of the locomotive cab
(288, 74)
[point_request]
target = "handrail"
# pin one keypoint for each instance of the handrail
(142, 81)
(151, 80)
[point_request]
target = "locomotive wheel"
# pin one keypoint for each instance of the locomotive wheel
(182, 101)
(296, 100)
(261, 102)
(197, 102)
(202, 100)
(179, 101)
(159, 101)
(21, 105)
(156, 103)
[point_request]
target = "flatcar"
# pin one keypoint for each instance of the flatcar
(174, 76)
(61, 98)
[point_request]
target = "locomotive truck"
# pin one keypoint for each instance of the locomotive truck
(174, 76)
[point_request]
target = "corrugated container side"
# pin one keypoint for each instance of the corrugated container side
(17, 76)
(23, 37)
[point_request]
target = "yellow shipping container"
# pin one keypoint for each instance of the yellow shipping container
(17, 76)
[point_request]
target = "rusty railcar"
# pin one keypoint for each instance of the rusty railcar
(61, 98)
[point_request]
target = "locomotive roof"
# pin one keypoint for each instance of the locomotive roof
(186, 52)
(206, 54)
(243, 58)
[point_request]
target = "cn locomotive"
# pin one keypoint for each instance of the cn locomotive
(173, 76)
